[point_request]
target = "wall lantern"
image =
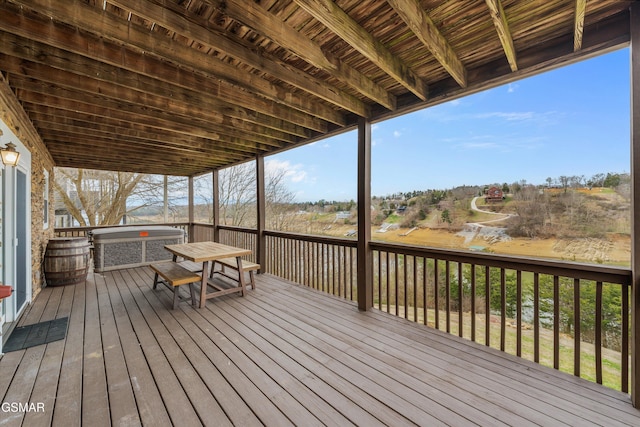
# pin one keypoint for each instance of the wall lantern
(9, 155)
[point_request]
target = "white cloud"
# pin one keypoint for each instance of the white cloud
(397, 134)
(295, 173)
(511, 87)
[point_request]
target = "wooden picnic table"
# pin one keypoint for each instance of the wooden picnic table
(206, 252)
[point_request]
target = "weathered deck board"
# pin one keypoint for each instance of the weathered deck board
(281, 355)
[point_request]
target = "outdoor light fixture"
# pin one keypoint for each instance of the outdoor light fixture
(9, 155)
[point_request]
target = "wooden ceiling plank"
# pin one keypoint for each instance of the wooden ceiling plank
(502, 28)
(179, 104)
(123, 112)
(578, 27)
(262, 21)
(103, 25)
(70, 142)
(194, 28)
(340, 23)
(423, 27)
(67, 125)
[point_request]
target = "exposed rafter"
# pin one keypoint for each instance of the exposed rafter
(423, 27)
(578, 27)
(195, 28)
(502, 27)
(337, 20)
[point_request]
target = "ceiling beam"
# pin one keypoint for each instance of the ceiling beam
(194, 27)
(106, 26)
(269, 25)
(502, 28)
(423, 27)
(184, 104)
(578, 26)
(337, 20)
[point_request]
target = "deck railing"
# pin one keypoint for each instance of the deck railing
(324, 263)
(551, 312)
(574, 317)
(85, 231)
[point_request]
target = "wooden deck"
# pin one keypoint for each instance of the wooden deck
(281, 355)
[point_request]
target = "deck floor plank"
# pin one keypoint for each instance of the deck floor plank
(359, 407)
(174, 396)
(152, 410)
(392, 384)
(122, 404)
(95, 396)
(208, 340)
(22, 385)
(282, 355)
(208, 409)
(67, 411)
(471, 356)
(230, 401)
(434, 370)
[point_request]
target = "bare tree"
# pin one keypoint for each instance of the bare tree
(279, 199)
(100, 197)
(238, 195)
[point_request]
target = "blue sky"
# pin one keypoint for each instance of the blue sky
(570, 121)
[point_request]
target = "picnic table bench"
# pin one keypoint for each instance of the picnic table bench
(247, 266)
(173, 275)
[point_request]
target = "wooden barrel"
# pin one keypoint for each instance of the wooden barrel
(66, 261)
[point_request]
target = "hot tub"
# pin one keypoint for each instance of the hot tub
(132, 246)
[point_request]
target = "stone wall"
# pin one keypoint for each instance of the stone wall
(12, 114)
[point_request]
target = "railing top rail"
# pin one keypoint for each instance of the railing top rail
(96, 227)
(313, 238)
(238, 229)
(609, 274)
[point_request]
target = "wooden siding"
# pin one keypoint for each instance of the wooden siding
(282, 355)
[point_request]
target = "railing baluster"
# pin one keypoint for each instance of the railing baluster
(503, 308)
(447, 292)
(404, 285)
(487, 306)
(576, 326)
(424, 291)
(556, 322)
(519, 313)
(460, 301)
(536, 317)
(625, 340)
(415, 290)
(436, 293)
(395, 281)
(473, 301)
(598, 337)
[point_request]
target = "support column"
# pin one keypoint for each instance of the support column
(166, 199)
(191, 217)
(215, 186)
(365, 257)
(635, 203)
(261, 244)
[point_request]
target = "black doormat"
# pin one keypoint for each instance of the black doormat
(36, 334)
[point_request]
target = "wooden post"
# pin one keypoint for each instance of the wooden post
(191, 216)
(365, 257)
(215, 177)
(166, 199)
(261, 244)
(635, 203)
